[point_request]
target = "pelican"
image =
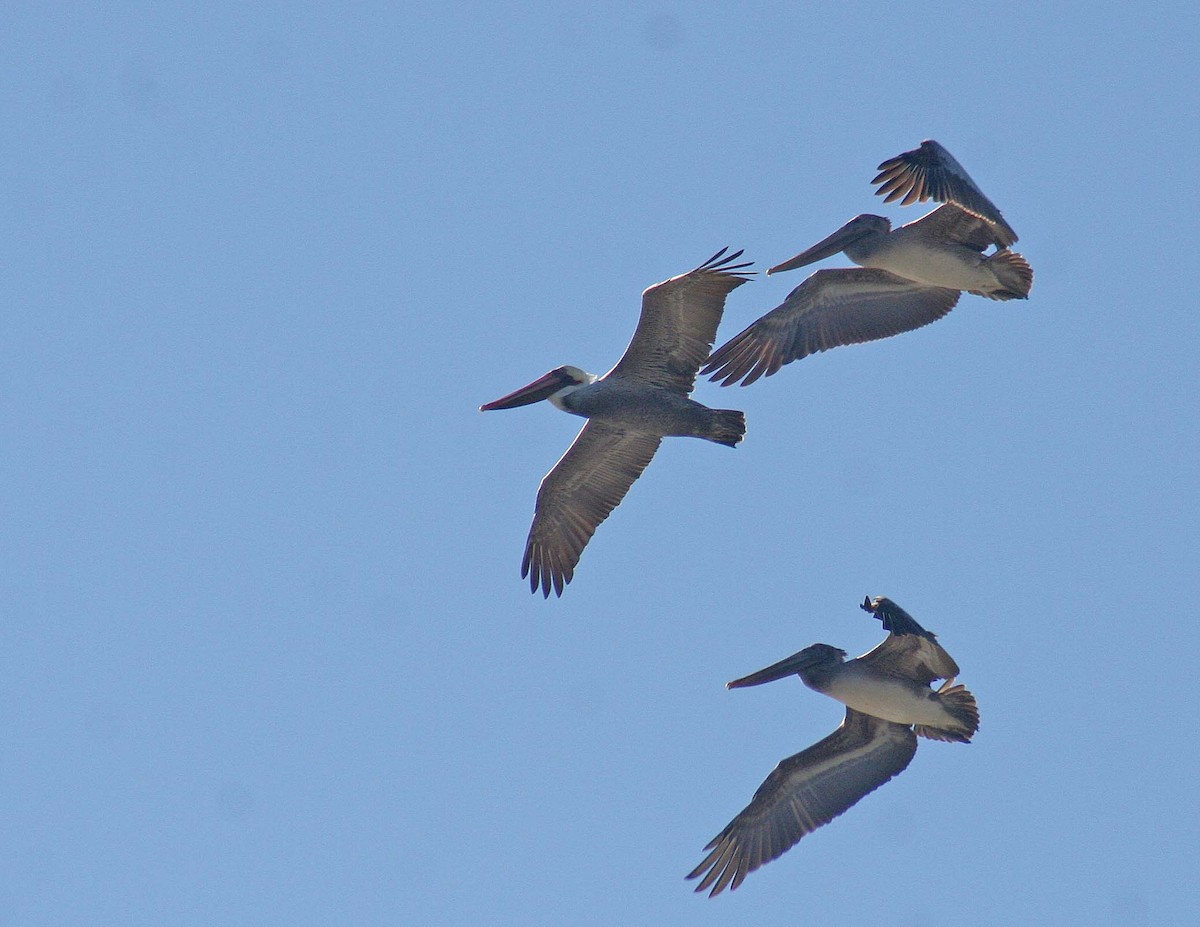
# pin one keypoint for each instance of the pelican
(889, 704)
(942, 248)
(630, 409)
(911, 276)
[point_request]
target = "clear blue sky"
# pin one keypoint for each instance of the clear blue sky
(265, 655)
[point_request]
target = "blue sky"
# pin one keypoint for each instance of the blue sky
(265, 654)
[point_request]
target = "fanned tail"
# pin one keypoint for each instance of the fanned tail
(1013, 272)
(960, 704)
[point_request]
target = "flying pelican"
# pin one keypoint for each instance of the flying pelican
(911, 276)
(888, 705)
(630, 409)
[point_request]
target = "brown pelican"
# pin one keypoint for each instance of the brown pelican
(888, 705)
(630, 409)
(942, 248)
(913, 274)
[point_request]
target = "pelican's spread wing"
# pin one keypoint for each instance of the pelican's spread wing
(803, 793)
(831, 308)
(930, 172)
(908, 650)
(585, 485)
(679, 324)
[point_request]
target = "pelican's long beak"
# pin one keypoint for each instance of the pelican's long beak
(849, 233)
(789, 666)
(542, 388)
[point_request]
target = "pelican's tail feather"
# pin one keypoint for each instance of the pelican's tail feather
(726, 426)
(1013, 272)
(960, 705)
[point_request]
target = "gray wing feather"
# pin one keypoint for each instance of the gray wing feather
(805, 792)
(952, 223)
(586, 484)
(913, 657)
(831, 308)
(679, 323)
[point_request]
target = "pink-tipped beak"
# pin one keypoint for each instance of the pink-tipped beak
(541, 388)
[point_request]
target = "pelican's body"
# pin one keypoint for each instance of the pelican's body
(913, 253)
(909, 276)
(642, 407)
(859, 685)
(630, 409)
(889, 703)
(943, 249)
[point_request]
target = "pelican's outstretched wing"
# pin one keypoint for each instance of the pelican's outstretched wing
(803, 793)
(831, 308)
(586, 484)
(679, 324)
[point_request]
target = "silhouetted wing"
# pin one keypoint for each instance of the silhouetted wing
(908, 650)
(831, 308)
(931, 172)
(805, 792)
(679, 324)
(587, 483)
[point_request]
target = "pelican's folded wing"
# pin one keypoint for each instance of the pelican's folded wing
(931, 172)
(909, 650)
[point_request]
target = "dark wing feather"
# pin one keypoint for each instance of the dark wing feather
(931, 172)
(586, 484)
(679, 324)
(831, 308)
(908, 650)
(805, 792)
